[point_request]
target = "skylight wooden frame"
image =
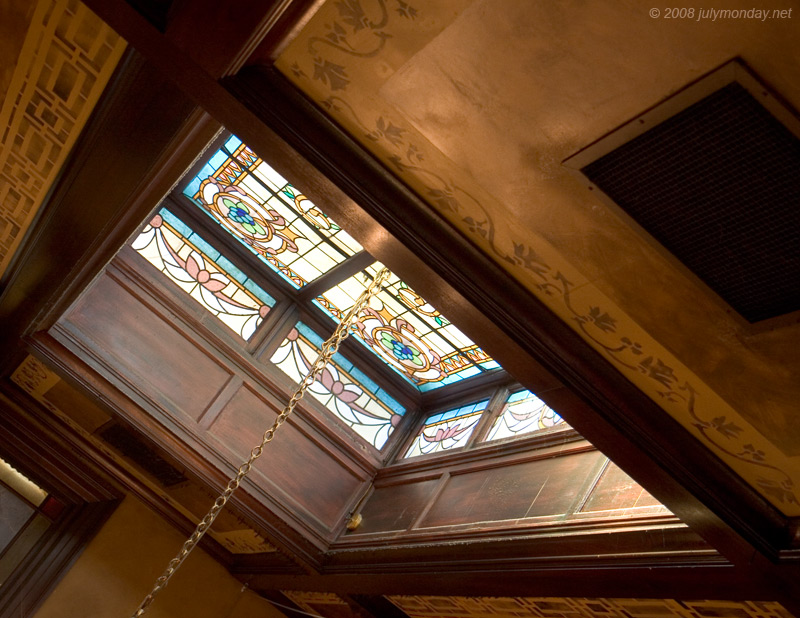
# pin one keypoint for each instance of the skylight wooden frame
(605, 390)
(295, 304)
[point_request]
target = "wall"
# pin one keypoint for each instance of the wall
(118, 567)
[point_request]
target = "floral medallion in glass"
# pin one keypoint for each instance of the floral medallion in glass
(269, 215)
(407, 332)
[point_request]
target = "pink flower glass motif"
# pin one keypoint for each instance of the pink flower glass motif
(196, 269)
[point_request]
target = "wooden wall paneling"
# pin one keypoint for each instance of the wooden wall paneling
(295, 463)
(205, 461)
(616, 490)
(172, 306)
(396, 507)
(145, 350)
(123, 341)
(512, 492)
(524, 493)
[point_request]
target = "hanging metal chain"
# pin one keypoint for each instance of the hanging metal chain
(327, 351)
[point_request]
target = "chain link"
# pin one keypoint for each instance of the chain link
(329, 348)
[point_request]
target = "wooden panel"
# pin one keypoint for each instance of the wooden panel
(395, 507)
(535, 488)
(297, 465)
(616, 490)
(136, 342)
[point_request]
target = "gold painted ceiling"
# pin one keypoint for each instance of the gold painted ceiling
(476, 104)
(57, 57)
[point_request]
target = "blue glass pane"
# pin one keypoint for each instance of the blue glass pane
(199, 270)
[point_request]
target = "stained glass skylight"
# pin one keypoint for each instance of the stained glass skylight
(523, 413)
(198, 269)
(447, 430)
(342, 388)
(408, 333)
(269, 215)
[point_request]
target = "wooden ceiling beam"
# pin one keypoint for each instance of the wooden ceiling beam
(687, 583)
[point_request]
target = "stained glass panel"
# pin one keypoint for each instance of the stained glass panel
(524, 413)
(269, 215)
(342, 388)
(447, 430)
(208, 277)
(408, 333)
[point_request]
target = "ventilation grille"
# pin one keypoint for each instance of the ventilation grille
(718, 185)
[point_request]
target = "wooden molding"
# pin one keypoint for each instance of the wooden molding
(45, 565)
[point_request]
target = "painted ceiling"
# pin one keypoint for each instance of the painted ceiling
(475, 105)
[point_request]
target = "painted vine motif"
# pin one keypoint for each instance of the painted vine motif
(358, 32)
(393, 144)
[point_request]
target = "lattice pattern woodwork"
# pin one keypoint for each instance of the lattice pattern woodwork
(66, 60)
(554, 607)
(315, 602)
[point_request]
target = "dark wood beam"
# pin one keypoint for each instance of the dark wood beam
(125, 177)
(28, 586)
(723, 583)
